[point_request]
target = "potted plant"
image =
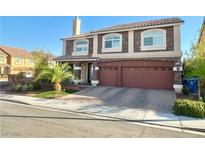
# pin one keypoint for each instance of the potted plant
(94, 83)
(76, 80)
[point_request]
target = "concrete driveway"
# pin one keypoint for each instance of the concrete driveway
(147, 99)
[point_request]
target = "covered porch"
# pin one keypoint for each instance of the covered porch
(84, 69)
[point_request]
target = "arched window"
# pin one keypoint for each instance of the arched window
(81, 46)
(112, 42)
(154, 39)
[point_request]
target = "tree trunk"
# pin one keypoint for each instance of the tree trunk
(57, 86)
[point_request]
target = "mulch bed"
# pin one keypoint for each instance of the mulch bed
(191, 97)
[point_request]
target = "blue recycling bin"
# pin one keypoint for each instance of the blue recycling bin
(191, 84)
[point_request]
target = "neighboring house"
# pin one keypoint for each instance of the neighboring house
(137, 55)
(17, 61)
(51, 61)
(4, 67)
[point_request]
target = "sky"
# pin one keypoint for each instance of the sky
(41, 32)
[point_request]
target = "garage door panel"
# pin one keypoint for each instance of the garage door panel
(156, 78)
(108, 76)
(137, 74)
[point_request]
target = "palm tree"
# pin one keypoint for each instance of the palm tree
(56, 75)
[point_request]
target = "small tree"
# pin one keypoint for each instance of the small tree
(40, 60)
(56, 75)
(194, 64)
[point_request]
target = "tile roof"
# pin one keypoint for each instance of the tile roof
(51, 56)
(16, 52)
(141, 24)
(3, 54)
(75, 58)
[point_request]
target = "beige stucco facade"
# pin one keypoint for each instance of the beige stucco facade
(21, 64)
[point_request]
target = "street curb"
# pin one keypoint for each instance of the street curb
(140, 122)
(15, 101)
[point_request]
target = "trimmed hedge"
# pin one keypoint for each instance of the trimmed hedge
(24, 88)
(190, 108)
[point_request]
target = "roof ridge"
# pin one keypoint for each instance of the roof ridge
(140, 24)
(13, 51)
(13, 47)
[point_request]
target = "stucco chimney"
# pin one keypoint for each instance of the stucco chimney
(76, 26)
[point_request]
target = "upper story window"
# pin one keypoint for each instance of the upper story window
(154, 39)
(81, 46)
(1, 59)
(19, 60)
(31, 61)
(112, 42)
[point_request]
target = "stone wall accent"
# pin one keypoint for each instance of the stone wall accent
(90, 48)
(169, 39)
(95, 72)
(77, 73)
(69, 47)
(178, 77)
(124, 42)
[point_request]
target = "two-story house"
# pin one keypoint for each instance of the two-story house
(137, 55)
(4, 67)
(17, 60)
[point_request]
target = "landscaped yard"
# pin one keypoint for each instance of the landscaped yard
(54, 94)
(190, 108)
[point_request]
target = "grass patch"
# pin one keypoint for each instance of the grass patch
(54, 94)
(190, 108)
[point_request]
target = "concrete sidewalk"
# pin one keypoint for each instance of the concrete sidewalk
(122, 113)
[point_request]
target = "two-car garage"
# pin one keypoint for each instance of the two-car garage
(137, 74)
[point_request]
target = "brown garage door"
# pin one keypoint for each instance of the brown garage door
(108, 76)
(148, 77)
(137, 74)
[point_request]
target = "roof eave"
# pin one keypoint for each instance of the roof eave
(120, 30)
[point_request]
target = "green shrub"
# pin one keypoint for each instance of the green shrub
(185, 90)
(203, 97)
(36, 85)
(18, 87)
(24, 88)
(189, 108)
(30, 87)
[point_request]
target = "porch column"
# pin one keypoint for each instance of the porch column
(2, 70)
(77, 70)
(95, 80)
(178, 77)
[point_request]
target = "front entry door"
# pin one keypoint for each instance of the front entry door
(90, 72)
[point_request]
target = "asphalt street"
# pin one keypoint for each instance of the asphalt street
(25, 121)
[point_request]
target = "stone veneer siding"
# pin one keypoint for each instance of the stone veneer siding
(69, 47)
(90, 47)
(77, 73)
(124, 42)
(169, 39)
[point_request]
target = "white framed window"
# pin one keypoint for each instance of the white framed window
(19, 60)
(1, 59)
(154, 39)
(81, 46)
(112, 43)
(31, 61)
